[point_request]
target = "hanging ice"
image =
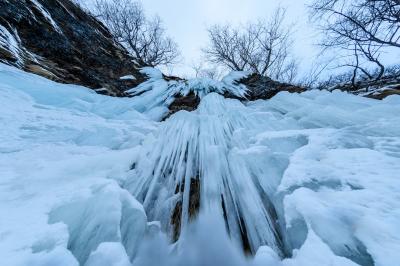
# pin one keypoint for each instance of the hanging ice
(191, 166)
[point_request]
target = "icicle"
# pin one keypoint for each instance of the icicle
(194, 167)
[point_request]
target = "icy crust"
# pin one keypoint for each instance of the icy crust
(301, 179)
(158, 92)
(293, 176)
(64, 151)
(343, 185)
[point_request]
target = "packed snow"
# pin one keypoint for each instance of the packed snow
(298, 180)
(127, 77)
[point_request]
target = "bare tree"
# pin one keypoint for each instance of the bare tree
(361, 27)
(311, 79)
(144, 38)
(203, 70)
(262, 47)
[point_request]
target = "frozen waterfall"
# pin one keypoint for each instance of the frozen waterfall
(298, 180)
(192, 165)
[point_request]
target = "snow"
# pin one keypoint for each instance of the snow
(46, 15)
(62, 155)
(158, 92)
(127, 77)
(86, 179)
(109, 254)
(370, 91)
(10, 43)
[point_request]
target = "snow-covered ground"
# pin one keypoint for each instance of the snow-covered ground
(305, 179)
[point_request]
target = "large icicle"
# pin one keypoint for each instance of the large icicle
(190, 165)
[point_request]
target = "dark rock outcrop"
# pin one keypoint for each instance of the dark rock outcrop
(259, 88)
(58, 40)
(188, 103)
(263, 88)
(194, 206)
(375, 89)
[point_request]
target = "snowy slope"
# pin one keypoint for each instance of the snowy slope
(301, 179)
(63, 149)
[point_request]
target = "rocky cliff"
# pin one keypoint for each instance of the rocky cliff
(58, 40)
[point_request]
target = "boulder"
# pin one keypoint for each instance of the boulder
(261, 87)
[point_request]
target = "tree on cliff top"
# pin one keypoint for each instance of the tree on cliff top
(144, 38)
(262, 47)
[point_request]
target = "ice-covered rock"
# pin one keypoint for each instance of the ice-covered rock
(174, 94)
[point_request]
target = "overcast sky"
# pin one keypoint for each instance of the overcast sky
(186, 22)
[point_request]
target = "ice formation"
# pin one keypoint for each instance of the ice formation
(158, 93)
(300, 179)
(11, 43)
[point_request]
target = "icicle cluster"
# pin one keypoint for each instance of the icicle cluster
(157, 91)
(190, 166)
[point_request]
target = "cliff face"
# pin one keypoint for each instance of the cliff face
(58, 40)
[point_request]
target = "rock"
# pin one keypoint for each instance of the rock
(188, 103)
(261, 87)
(375, 89)
(193, 208)
(385, 93)
(58, 40)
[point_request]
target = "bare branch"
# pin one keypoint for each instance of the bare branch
(262, 47)
(144, 38)
(363, 27)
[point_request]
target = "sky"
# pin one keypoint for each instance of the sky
(186, 21)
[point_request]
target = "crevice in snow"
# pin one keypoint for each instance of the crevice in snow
(193, 207)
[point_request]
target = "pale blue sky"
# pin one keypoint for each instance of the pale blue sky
(186, 22)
